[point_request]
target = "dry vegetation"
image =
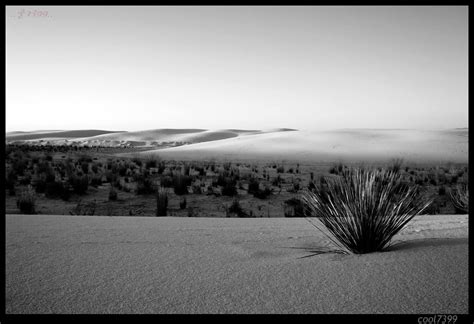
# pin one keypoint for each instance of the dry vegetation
(93, 181)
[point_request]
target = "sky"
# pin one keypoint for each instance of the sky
(309, 68)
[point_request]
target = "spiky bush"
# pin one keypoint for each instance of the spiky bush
(364, 209)
(460, 199)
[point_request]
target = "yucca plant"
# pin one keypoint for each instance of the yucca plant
(363, 209)
(460, 198)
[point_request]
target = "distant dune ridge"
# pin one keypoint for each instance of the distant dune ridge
(283, 143)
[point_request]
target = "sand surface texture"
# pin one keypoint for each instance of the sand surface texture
(81, 264)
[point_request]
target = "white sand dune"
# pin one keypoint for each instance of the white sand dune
(137, 138)
(64, 264)
(413, 145)
(437, 146)
(55, 134)
(173, 135)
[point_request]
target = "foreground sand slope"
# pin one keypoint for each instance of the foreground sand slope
(361, 144)
(63, 264)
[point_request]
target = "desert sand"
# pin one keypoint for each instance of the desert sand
(329, 146)
(66, 264)
(364, 145)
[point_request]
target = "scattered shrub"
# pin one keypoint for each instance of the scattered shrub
(161, 202)
(236, 209)
(254, 186)
(294, 207)
(79, 183)
(84, 209)
(57, 189)
(180, 184)
(26, 201)
(150, 162)
(113, 194)
(145, 185)
(229, 188)
(85, 167)
(182, 203)
(442, 191)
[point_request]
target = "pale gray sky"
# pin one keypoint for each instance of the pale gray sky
(137, 68)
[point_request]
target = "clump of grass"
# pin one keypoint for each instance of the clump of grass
(26, 201)
(364, 209)
(161, 202)
(460, 199)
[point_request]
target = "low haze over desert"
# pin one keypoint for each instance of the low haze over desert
(229, 160)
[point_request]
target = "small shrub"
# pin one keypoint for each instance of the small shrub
(96, 181)
(150, 162)
(182, 203)
(26, 201)
(95, 168)
(192, 212)
(236, 209)
(254, 186)
(442, 191)
(294, 207)
(113, 194)
(57, 189)
(85, 167)
(10, 180)
(229, 188)
(180, 184)
(167, 182)
(277, 181)
(79, 184)
(263, 194)
(84, 209)
(161, 202)
(197, 189)
(137, 161)
(145, 185)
